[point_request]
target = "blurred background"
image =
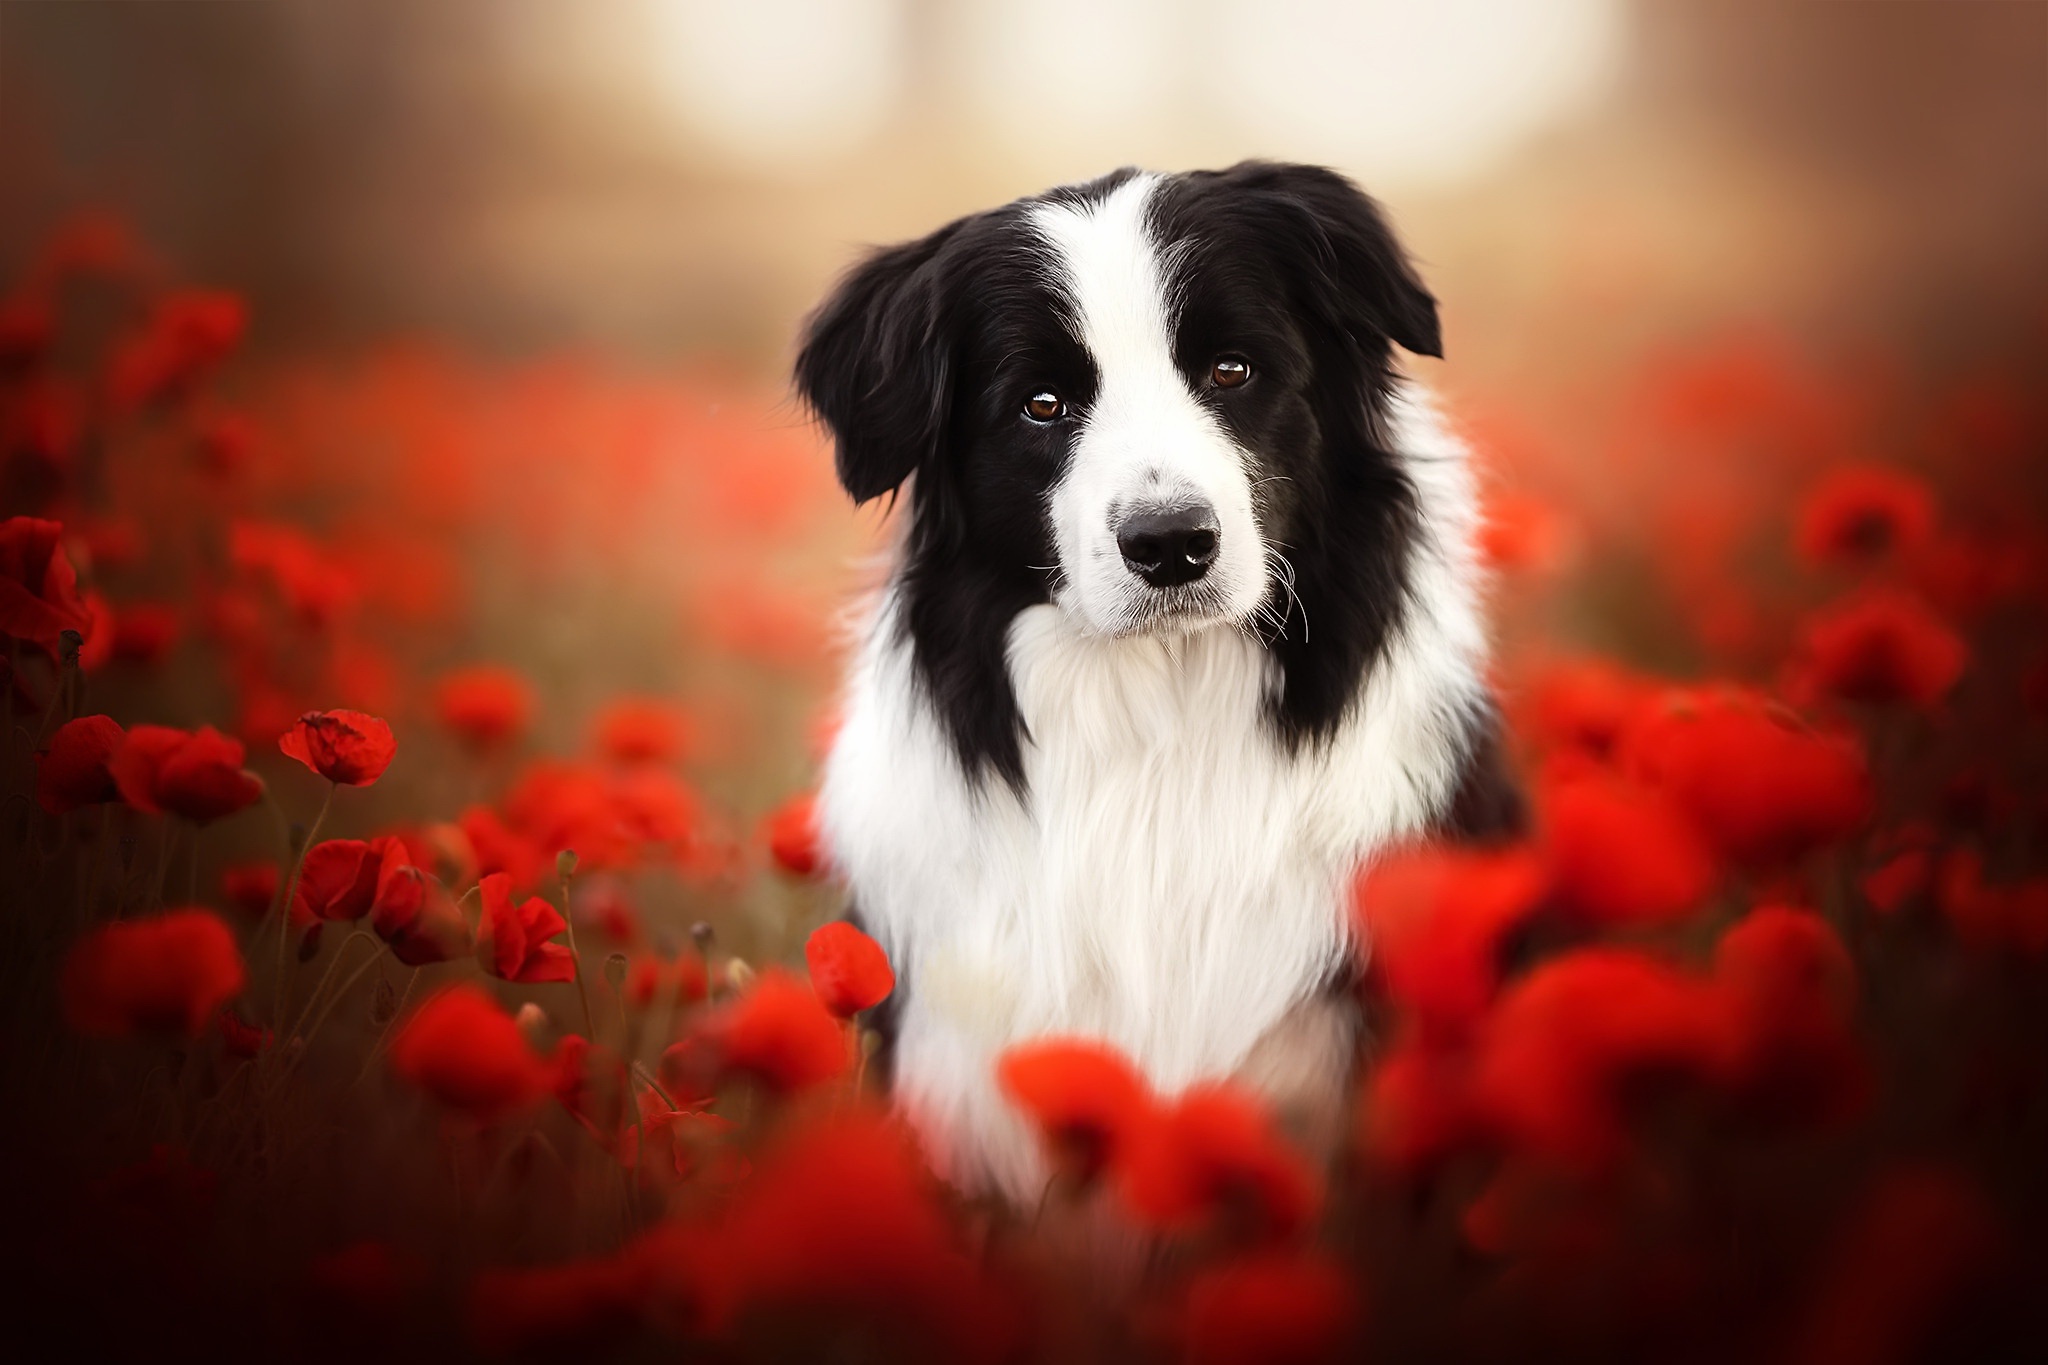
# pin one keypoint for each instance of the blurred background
(524, 280)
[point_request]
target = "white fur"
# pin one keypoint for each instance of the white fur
(1146, 439)
(1174, 881)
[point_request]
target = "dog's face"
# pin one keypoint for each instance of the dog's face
(1140, 399)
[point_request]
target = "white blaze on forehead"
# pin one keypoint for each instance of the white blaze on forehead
(1145, 437)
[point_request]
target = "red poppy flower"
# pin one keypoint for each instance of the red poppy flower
(167, 974)
(250, 888)
(1271, 1308)
(779, 1035)
(144, 633)
(1620, 853)
(411, 912)
(1986, 916)
(74, 770)
(791, 830)
(585, 1305)
(653, 808)
(1417, 1108)
(602, 905)
(310, 581)
(338, 880)
(1862, 513)
(849, 970)
(1793, 993)
(693, 978)
(240, 1039)
(1214, 1153)
(467, 1053)
(1899, 879)
(642, 730)
(590, 1082)
(1761, 788)
(1520, 532)
(494, 847)
(1434, 922)
(188, 334)
(1585, 705)
(197, 776)
(39, 597)
(1883, 648)
(672, 1146)
(1087, 1101)
(484, 705)
(347, 747)
(1572, 1044)
(28, 324)
(512, 941)
(842, 1223)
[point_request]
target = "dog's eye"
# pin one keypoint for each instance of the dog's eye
(1045, 406)
(1229, 371)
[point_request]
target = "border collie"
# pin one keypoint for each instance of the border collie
(1184, 625)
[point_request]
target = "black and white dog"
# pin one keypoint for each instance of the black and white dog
(1185, 625)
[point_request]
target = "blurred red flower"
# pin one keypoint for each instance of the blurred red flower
(496, 848)
(512, 940)
(642, 730)
(791, 831)
(1881, 648)
(144, 633)
(250, 888)
(778, 1034)
(1268, 1308)
(1417, 1107)
(1086, 1099)
(347, 747)
(585, 1305)
(1986, 916)
(1214, 1154)
(468, 1054)
(198, 776)
(1434, 922)
(313, 586)
(170, 973)
(1584, 704)
(485, 705)
(411, 912)
(1793, 990)
(74, 770)
(189, 332)
(338, 880)
(1520, 532)
(1762, 788)
(241, 1039)
(1620, 853)
(39, 598)
(849, 970)
(1898, 880)
(1861, 513)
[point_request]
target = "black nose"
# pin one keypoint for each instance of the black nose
(1169, 545)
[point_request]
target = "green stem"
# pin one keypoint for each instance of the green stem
(288, 890)
(576, 959)
(384, 1038)
(327, 977)
(325, 1010)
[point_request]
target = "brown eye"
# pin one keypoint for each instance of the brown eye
(1230, 371)
(1045, 406)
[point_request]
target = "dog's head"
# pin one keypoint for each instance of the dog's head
(1154, 401)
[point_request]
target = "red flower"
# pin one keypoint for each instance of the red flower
(1215, 1153)
(642, 730)
(849, 970)
(312, 584)
(198, 776)
(189, 333)
(1270, 1308)
(512, 941)
(250, 888)
(485, 705)
(1417, 1107)
(1902, 877)
(495, 847)
(1882, 648)
(39, 597)
(584, 1305)
(791, 830)
(1984, 916)
(590, 1082)
(338, 880)
(602, 905)
(1571, 1045)
(1762, 789)
(467, 1053)
(1619, 853)
(167, 974)
(1087, 1101)
(1793, 993)
(144, 633)
(1585, 704)
(240, 1039)
(411, 911)
(1434, 921)
(1520, 532)
(779, 1035)
(1862, 513)
(342, 746)
(73, 771)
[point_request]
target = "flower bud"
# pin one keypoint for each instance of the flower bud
(309, 942)
(532, 1021)
(383, 1004)
(738, 975)
(615, 970)
(702, 935)
(565, 863)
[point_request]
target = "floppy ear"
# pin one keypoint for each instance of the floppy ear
(876, 366)
(1362, 278)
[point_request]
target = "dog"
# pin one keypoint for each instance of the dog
(1184, 625)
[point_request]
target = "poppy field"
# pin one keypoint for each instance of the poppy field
(416, 942)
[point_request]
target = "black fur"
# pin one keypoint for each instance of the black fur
(918, 362)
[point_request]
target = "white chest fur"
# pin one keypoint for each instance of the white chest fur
(1173, 883)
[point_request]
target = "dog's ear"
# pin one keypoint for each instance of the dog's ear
(876, 365)
(1360, 276)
